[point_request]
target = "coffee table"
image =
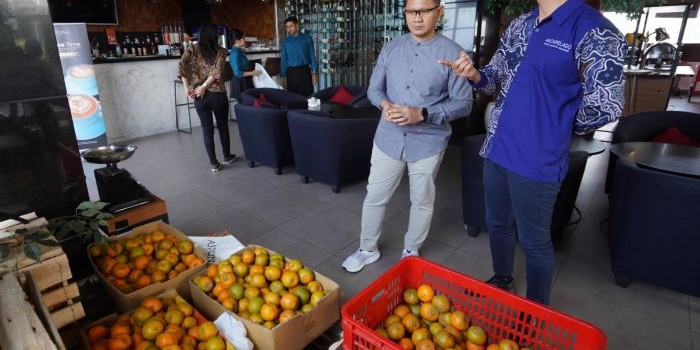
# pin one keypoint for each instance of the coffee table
(676, 159)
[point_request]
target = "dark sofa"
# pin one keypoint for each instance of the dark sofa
(653, 228)
(332, 151)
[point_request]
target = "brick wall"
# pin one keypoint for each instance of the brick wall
(252, 16)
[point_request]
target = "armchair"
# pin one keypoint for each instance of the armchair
(264, 134)
(653, 226)
(473, 211)
(332, 151)
(281, 98)
(642, 127)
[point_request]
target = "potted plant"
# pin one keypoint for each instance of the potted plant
(89, 217)
(84, 225)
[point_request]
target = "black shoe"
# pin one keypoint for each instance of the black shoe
(216, 167)
(503, 282)
(230, 159)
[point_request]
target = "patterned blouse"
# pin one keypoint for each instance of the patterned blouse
(193, 67)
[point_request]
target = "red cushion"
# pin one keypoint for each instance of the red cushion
(342, 96)
(676, 137)
(263, 97)
(256, 103)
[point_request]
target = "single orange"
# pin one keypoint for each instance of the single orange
(97, 332)
(185, 246)
(401, 310)
(153, 303)
(121, 270)
(406, 343)
(141, 315)
(120, 342)
(152, 328)
(140, 262)
(166, 338)
(122, 327)
(143, 281)
(425, 293)
(215, 343)
(206, 330)
(134, 276)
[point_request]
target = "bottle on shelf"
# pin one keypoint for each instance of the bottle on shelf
(165, 32)
(127, 47)
(137, 47)
(149, 46)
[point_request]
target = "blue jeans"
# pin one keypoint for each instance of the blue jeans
(515, 204)
(216, 102)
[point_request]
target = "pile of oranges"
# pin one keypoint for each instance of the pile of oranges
(262, 287)
(158, 323)
(427, 321)
(140, 261)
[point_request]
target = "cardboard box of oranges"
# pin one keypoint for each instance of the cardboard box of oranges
(283, 322)
(145, 326)
(147, 260)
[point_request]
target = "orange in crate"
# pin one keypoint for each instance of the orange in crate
(499, 313)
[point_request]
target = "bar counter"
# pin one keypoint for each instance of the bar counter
(137, 95)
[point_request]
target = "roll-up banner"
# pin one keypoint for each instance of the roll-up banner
(81, 84)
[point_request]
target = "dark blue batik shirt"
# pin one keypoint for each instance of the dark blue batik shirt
(554, 78)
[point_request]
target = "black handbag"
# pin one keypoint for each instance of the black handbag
(227, 73)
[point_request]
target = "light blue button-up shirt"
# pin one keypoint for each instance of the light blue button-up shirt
(407, 73)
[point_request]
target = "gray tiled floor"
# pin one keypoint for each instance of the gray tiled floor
(310, 222)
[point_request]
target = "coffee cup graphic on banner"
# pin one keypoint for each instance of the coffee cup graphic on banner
(80, 79)
(87, 116)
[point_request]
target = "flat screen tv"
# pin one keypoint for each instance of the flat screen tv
(88, 11)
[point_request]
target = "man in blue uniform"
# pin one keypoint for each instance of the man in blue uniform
(558, 70)
(298, 65)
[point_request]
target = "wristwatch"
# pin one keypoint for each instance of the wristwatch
(424, 113)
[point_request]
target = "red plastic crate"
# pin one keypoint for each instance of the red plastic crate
(501, 314)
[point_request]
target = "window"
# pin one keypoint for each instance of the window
(459, 23)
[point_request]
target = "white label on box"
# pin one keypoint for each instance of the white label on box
(217, 248)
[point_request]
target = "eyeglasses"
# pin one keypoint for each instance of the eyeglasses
(414, 13)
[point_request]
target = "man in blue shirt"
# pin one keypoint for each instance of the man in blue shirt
(418, 98)
(558, 70)
(298, 65)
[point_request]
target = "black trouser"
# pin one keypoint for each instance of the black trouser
(216, 102)
(299, 80)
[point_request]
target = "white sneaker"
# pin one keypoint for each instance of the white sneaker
(359, 259)
(406, 253)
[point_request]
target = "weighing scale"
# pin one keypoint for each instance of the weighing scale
(116, 186)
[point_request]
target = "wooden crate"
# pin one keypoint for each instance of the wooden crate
(50, 279)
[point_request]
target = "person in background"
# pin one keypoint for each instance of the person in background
(239, 63)
(200, 69)
(298, 65)
(558, 70)
(418, 98)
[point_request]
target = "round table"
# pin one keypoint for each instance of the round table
(677, 159)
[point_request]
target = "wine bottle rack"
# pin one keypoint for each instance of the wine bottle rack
(348, 35)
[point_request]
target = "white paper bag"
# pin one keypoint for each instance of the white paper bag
(263, 80)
